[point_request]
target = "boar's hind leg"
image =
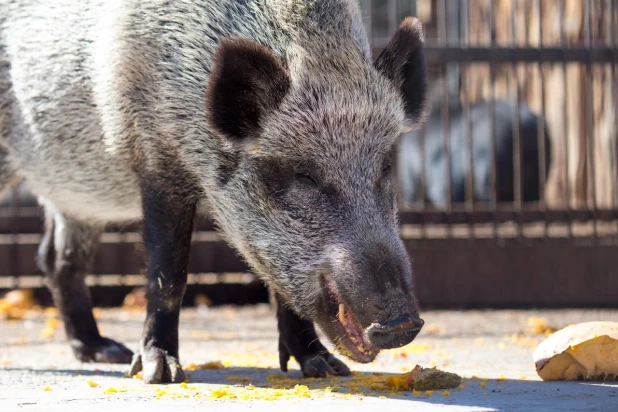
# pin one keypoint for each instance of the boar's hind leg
(297, 337)
(65, 255)
(168, 222)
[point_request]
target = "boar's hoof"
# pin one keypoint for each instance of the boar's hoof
(316, 366)
(157, 366)
(101, 350)
(323, 365)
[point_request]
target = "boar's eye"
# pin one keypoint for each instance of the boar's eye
(305, 178)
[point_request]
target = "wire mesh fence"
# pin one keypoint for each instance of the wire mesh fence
(508, 194)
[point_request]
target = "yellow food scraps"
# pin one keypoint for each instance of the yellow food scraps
(208, 365)
(398, 382)
(502, 377)
(302, 390)
(21, 298)
(15, 303)
(482, 385)
(428, 393)
(136, 300)
(539, 326)
(47, 388)
(51, 312)
(52, 323)
(222, 392)
(446, 393)
(111, 390)
(238, 378)
(92, 383)
(202, 300)
(478, 342)
(47, 332)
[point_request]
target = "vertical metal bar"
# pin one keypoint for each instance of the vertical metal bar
(423, 180)
(14, 263)
(590, 113)
(492, 124)
(446, 140)
(464, 34)
(392, 16)
(565, 120)
(442, 23)
(517, 146)
(122, 257)
(464, 42)
(368, 17)
(613, 33)
(541, 129)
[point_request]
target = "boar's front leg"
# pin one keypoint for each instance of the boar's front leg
(297, 337)
(168, 222)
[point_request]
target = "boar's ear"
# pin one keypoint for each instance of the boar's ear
(403, 62)
(246, 83)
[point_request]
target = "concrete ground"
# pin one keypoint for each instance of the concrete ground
(492, 350)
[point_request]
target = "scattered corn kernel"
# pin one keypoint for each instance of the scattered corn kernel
(208, 365)
(52, 323)
(92, 383)
(47, 332)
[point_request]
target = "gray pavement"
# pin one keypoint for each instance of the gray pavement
(492, 350)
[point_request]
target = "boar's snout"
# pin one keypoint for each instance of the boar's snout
(395, 333)
(370, 298)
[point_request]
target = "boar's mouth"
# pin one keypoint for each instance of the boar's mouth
(351, 340)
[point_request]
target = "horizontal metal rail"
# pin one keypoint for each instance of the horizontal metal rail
(449, 54)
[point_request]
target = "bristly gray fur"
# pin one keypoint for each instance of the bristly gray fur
(92, 91)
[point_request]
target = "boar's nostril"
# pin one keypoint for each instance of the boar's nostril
(396, 333)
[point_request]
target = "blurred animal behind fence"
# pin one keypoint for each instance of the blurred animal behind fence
(411, 165)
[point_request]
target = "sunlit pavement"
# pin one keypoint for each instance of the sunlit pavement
(491, 350)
